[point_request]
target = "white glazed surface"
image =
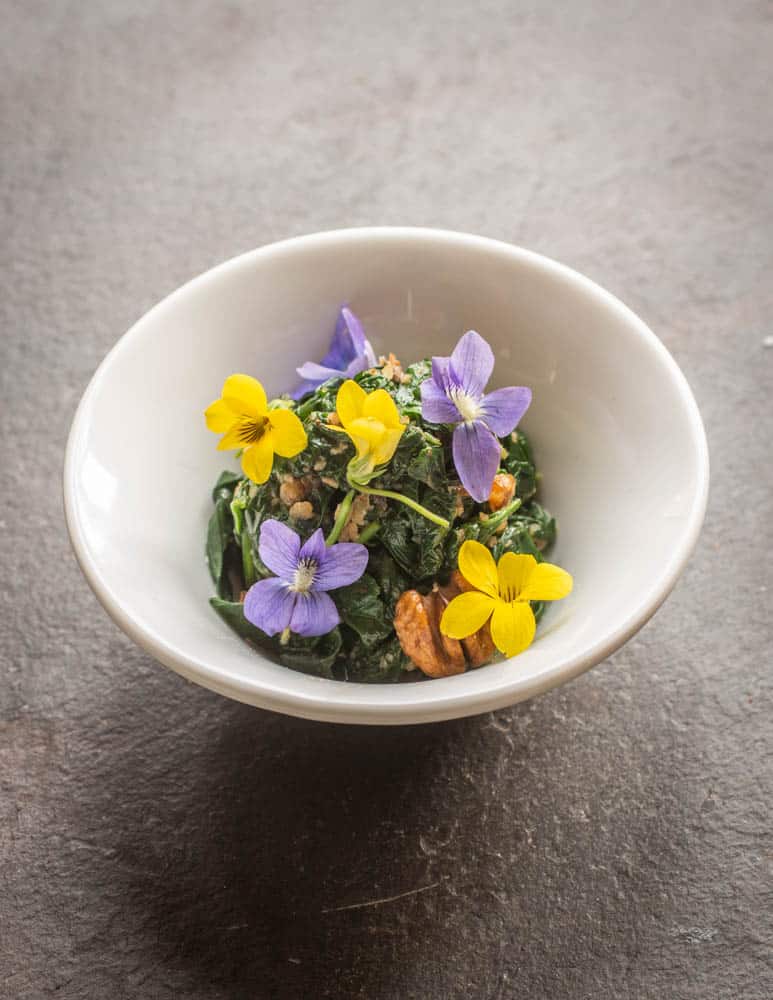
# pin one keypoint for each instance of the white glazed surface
(616, 432)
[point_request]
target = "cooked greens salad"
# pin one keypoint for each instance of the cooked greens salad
(385, 524)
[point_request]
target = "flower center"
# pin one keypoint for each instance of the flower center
(304, 575)
(252, 429)
(467, 405)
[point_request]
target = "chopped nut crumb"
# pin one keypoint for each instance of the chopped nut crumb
(293, 490)
(460, 493)
(302, 510)
(356, 519)
(320, 464)
(391, 368)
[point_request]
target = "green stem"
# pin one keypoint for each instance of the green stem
(341, 518)
(390, 495)
(369, 531)
(493, 521)
(248, 566)
(306, 408)
(236, 513)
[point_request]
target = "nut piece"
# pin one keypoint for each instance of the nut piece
(502, 491)
(301, 510)
(479, 647)
(392, 369)
(417, 621)
(293, 490)
(356, 519)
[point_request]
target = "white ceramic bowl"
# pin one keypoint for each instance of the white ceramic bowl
(615, 428)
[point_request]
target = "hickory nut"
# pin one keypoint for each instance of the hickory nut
(417, 624)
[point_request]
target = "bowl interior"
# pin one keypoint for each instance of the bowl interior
(616, 434)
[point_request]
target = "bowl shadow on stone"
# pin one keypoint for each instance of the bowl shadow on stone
(255, 852)
(268, 835)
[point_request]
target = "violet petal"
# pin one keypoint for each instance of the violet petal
(476, 457)
(350, 353)
(314, 548)
(318, 374)
(355, 367)
(279, 547)
(346, 342)
(503, 408)
(342, 564)
(360, 343)
(472, 363)
(314, 614)
(303, 389)
(269, 605)
(440, 372)
(436, 406)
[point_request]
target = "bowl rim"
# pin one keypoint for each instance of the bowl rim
(374, 704)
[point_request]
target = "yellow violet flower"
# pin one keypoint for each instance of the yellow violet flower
(373, 423)
(502, 593)
(242, 416)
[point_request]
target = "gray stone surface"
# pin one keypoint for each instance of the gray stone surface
(610, 839)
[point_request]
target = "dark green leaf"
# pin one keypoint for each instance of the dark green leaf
(225, 485)
(232, 613)
(362, 609)
(218, 537)
(384, 663)
(519, 462)
(312, 656)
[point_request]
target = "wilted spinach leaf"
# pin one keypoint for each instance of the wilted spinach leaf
(232, 613)
(219, 534)
(225, 485)
(519, 462)
(385, 662)
(312, 656)
(362, 609)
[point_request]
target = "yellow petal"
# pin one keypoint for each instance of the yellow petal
(258, 459)
(477, 566)
(243, 433)
(547, 583)
(387, 445)
(514, 571)
(381, 406)
(245, 395)
(366, 433)
(219, 417)
(350, 402)
(512, 627)
(466, 614)
(289, 437)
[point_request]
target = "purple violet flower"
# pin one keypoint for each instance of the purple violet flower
(296, 597)
(350, 353)
(454, 395)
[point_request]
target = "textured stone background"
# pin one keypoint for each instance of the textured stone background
(611, 839)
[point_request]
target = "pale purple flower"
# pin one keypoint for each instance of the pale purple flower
(296, 597)
(454, 395)
(350, 353)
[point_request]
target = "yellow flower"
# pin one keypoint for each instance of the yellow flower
(373, 423)
(502, 593)
(242, 416)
